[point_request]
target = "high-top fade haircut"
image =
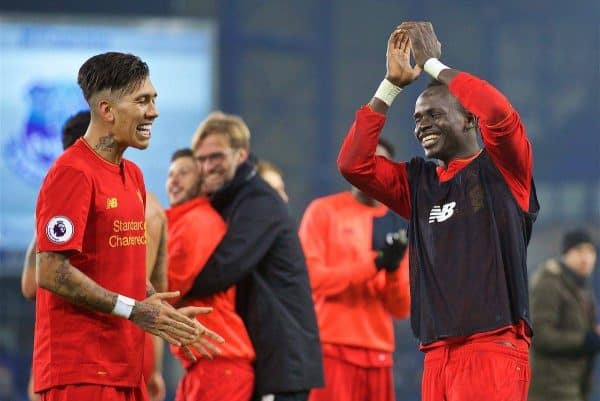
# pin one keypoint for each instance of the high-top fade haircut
(112, 71)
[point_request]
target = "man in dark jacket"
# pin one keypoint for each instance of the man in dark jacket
(260, 255)
(566, 336)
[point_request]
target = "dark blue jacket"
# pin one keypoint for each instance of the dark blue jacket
(261, 255)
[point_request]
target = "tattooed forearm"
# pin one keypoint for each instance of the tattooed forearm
(149, 289)
(57, 275)
(145, 315)
(62, 275)
(106, 143)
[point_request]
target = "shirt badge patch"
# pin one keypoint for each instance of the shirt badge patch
(59, 229)
(112, 203)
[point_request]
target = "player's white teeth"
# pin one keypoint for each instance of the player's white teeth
(144, 129)
(429, 140)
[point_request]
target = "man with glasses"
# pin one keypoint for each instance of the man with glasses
(260, 255)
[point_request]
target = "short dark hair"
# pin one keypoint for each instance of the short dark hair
(179, 153)
(387, 145)
(112, 70)
(75, 128)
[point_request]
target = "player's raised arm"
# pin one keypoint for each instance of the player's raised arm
(399, 71)
(501, 128)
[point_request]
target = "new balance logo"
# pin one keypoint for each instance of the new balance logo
(443, 213)
(112, 203)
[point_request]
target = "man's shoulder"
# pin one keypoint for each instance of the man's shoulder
(552, 267)
(420, 167)
(71, 162)
(74, 156)
(550, 270)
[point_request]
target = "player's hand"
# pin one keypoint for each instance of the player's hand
(156, 387)
(399, 71)
(204, 342)
(389, 256)
(161, 319)
(424, 43)
(33, 396)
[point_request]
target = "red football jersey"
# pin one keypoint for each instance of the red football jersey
(94, 209)
(195, 231)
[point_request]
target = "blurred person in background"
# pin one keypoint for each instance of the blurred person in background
(195, 230)
(273, 176)
(354, 246)
(91, 243)
(156, 272)
(567, 335)
(261, 256)
(470, 219)
(74, 128)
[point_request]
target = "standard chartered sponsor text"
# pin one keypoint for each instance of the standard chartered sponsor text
(129, 239)
(131, 225)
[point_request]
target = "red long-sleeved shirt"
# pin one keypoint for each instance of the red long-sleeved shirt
(194, 231)
(502, 132)
(501, 129)
(354, 302)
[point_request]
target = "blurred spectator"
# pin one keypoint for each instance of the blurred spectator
(353, 247)
(273, 176)
(261, 255)
(567, 337)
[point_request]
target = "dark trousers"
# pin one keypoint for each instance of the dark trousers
(291, 396)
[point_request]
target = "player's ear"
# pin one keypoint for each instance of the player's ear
(243, 154)
(105, 110)
(471, 121)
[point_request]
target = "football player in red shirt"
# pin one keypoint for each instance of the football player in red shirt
(470, 217)
(354, 248)
(91, 247)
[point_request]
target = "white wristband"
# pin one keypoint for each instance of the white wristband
(124, 306)
(387, 92)
(433, 67)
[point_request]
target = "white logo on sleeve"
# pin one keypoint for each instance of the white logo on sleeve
(59, 229)
(443, 213)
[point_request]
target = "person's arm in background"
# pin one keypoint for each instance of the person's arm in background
(377, 176)
(251, 231)
(328, 277)
(156, 387)
(192, 239)
(28, 284)
(156, 272)
(501, 127)
(156, 235)
(394, 290)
